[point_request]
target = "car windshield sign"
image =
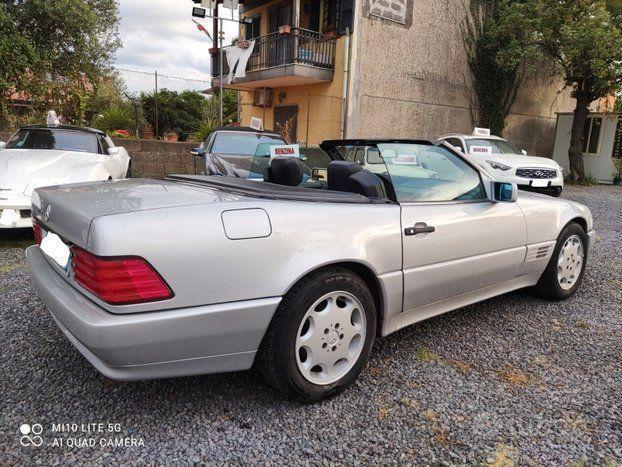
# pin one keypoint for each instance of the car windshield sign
(54, 139)
(267, 151)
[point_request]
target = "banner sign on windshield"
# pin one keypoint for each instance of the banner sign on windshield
(285, 150)
(480, 150)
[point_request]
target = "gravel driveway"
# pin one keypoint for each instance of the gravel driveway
(511, 379)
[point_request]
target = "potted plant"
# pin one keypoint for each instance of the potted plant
(170, 136)
(617, 177)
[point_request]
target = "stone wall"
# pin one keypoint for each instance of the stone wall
(156, 159)
(152, 158)
(412, 80)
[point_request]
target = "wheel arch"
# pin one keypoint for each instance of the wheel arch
(581, 221)
(362, 270)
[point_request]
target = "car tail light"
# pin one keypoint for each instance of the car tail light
(37, 230)
(118, 280)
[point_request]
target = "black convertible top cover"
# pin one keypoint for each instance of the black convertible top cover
(268, 190)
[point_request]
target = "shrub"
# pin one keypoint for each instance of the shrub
(204, 129)
(114, 118)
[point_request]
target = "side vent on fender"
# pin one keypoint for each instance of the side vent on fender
(536, 252)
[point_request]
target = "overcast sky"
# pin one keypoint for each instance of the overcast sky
(159, 35)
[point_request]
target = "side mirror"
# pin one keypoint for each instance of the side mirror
(524, 152)
(196, 152)
(319, 174)
(113, 151)
(2, 145)
(504, 192)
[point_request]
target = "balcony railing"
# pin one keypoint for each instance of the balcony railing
(300, 46)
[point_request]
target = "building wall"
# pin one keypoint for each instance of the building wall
(413, 80)
(599, 166)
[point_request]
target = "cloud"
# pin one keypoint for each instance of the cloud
(160, 35)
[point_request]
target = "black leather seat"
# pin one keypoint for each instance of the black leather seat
(339, 175)
(284, 171)
(351, 177)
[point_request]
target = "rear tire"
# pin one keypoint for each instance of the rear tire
(128, 173)
(562, 276)
(319, 320)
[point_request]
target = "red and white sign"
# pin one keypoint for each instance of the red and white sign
(481, 131)
(406, 159)
(285, 150)
(256, 123)
(480, 149)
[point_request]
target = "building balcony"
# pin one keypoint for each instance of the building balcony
(279, 60)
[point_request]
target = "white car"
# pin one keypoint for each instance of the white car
(507, 164)
(370, 159)
(44, 155)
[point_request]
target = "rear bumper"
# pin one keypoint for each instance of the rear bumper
(180, 342)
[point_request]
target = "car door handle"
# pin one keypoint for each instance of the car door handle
(419, 227)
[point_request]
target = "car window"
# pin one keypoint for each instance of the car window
(455, 142)
(373, 156)
(350, 154)
(103, 144)
(498, 146)
(359, 155)
(241, 144)
(422, 173)
(56, 139)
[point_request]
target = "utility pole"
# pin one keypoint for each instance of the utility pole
(221, 37)
(156, 105)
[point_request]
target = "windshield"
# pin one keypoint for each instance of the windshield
(58, 139)
(307, 157)
(421, 172)
(498, 146)
(241, 144)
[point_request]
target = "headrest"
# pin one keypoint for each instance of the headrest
(339, 175)
(368, 184)
(284, 171)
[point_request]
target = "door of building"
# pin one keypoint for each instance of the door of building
(286, 122)
(280, 47)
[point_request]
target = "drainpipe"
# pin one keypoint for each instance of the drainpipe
(344, 86)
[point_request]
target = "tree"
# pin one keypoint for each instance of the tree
(58, 48)
(176, 112)
(584, 38)
(496, 54)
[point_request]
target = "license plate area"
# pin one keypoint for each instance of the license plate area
(57, 250)
(539, 183)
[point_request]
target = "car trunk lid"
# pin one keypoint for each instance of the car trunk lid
(68, 210)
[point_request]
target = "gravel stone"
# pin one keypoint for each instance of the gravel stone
(512, 379)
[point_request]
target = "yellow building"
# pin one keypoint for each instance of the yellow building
(295, 73)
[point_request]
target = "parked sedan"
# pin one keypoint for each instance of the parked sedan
(202, 274)
(231, 149)
(508, 164)
(43, 155)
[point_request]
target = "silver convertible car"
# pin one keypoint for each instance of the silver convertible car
(296, 276)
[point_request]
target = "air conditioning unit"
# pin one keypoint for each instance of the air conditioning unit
(262, 97)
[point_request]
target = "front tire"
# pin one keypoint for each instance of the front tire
(564, 273)
(320, 337)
